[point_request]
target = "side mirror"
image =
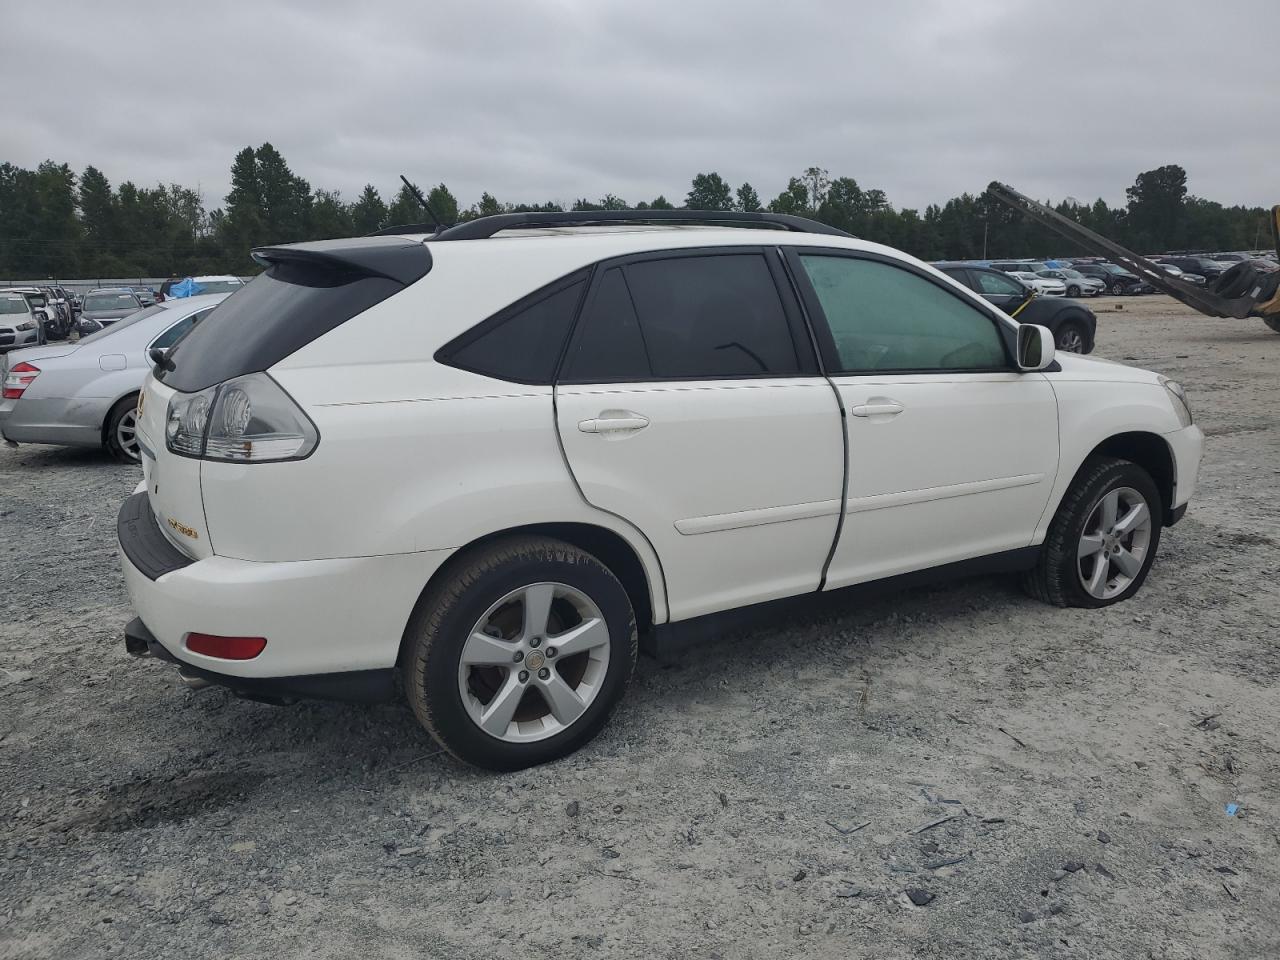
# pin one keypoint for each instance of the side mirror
(1035, 347)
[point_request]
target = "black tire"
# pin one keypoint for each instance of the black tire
(1071, 337)
(1055, 578)
(1273, 323)
(111, 430)
(1117, 289)
(445, 615)
(1073, 291)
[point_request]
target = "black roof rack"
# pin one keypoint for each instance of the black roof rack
(485, 227)
(403, 228)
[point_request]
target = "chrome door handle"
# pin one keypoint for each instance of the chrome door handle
(877, 407)
(614, 423)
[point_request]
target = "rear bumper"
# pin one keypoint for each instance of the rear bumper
(358, 686)
(319, 616)
(75, 423)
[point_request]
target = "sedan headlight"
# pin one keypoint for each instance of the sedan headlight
(1179, 398)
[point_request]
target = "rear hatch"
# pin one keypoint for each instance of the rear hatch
(306, 290)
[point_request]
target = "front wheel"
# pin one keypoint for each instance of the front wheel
(1117, 289)
(1102, 540)
(1073, 291)
(520, 655)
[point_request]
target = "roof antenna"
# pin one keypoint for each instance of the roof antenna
(423, 200)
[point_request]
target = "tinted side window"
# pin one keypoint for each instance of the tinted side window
(172, 335)
(885, 318)
(524, 344)
(609, 345)
(712, 316)
(994, 283)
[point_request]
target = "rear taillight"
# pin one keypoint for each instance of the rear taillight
(226, 648)
(246, 420)
(18, 379)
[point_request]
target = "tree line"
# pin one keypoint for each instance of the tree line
(55, 223)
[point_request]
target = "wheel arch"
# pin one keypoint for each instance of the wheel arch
(106, 417)
(1152, 453)
(644, 590)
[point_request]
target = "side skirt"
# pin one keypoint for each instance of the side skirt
(667, 639)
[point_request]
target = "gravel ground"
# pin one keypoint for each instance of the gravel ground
(956, 772)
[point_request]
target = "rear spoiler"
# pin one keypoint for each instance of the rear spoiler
(395, 258)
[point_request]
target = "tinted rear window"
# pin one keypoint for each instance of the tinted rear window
(523, 342)
(270, 317)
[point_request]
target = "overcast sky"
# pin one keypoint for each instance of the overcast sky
(557, 99)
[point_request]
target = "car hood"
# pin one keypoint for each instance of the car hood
(1078, 367)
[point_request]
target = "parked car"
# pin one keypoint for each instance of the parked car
(1210, 269)
(1118, 280)
(104, 307)
(1075, 282)
(224, 283)
(598, 435)
(21, 323)
(1173, 271)
(145, 296)
(1073, 327)
(85, 394)
(1029, 273)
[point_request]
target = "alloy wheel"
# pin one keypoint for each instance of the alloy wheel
(127, 435)
(534, 662)
(1070, 339)
(1114, 544)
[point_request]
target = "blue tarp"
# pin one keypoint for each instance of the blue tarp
(185, 288)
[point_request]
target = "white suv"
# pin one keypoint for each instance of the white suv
(480, 464)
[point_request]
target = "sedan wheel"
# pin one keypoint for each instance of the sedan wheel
(122, 431)
(1114, 544)
(1117, 289)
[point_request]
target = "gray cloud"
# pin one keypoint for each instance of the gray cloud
(574, 98)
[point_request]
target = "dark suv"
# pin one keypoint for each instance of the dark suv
(1073, 326)
(1118, 279)
(1211, 270)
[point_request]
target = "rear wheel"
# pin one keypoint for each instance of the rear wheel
(121, 431)
(521, 654)
(1073, 291)
(1103, 539)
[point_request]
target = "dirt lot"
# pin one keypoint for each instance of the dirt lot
(1056, 781)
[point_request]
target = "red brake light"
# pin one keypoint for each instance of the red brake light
(18, 379)
(226, 648)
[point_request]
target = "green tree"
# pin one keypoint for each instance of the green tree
(661, 203)
(748, 199)
(444, 204)
(405, 208)
(285, 198)
(794, 199)
(330, 217)
(97, 209)
(1156, 206)
(368, 213)
(817, 181)
(709, 192)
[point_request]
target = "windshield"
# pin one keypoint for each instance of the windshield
(128, 321)
(110, 301)
(1112, 268)
(13, 303)
(1073, 274)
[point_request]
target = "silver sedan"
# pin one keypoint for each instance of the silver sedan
(85, 394)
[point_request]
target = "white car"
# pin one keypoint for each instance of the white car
(1045, 286)
(482, 464)
(1075, 282)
